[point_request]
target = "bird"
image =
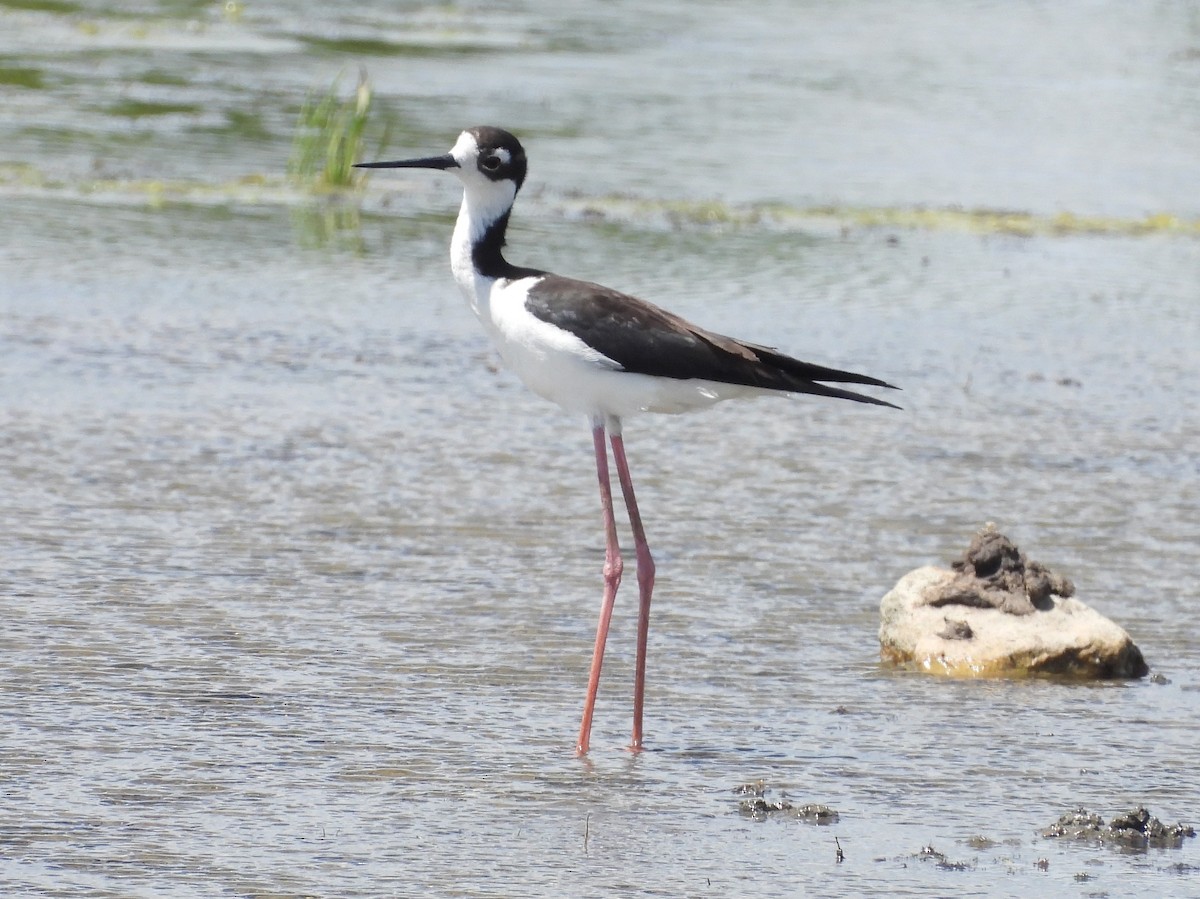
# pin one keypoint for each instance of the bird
(601, 353)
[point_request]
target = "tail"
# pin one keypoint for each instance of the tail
(805, 377)
(816, 389)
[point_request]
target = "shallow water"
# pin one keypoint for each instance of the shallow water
(299, 589)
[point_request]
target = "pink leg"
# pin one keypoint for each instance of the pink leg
(612, 579)
(645, 576)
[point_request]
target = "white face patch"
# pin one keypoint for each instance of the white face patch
(484, 200)
(465, 150)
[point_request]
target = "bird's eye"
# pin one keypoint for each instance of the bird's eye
(491, 163)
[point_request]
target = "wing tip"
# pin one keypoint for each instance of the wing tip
(818, 389)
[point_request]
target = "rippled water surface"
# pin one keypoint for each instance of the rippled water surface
(299, 588)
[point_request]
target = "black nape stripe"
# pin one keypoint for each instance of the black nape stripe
(487, 253)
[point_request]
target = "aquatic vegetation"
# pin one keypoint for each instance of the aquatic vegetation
(330, 136)
(306, 177)
(136, 109)
(690, 214)
(60, 7)
(329, 225)
(22, 76)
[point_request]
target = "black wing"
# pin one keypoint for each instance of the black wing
(644, 339)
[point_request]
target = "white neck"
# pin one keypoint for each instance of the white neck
(482, 205)
(466, 232)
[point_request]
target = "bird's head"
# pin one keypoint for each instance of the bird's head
(489, 161)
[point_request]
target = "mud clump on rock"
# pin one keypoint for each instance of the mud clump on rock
(995, 612)
(994, 574)
(1136, 829)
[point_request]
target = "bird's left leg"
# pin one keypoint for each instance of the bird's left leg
(645, 575)
(613, 567)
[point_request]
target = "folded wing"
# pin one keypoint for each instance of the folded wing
(645, 339)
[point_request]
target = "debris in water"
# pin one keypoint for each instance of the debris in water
(929, 854)
(982, 842)
(760, 808)
(754, 788)
(1136, 830)
(1181, 868)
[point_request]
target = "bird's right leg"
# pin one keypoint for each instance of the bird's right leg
(645, 576)
(612, 579)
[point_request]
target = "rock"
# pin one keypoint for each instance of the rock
(997, 613)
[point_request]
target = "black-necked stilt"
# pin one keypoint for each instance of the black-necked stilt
(599, 352)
